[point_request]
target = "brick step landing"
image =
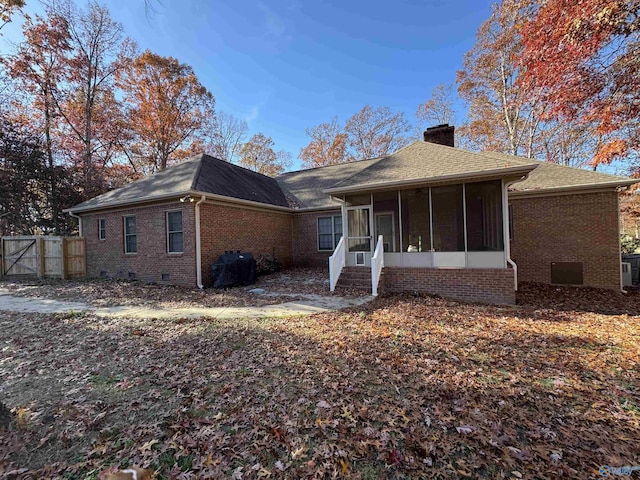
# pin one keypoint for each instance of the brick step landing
(355, 278)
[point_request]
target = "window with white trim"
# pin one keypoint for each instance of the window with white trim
(130, 237)
(175, 235)
(102, 228)
(329, 232)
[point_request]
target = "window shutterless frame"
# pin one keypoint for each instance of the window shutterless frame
(102, 229)
(175, 233)
(329, 226)
(130, 237)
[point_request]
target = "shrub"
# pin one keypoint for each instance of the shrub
(266, 263)
(629, 244)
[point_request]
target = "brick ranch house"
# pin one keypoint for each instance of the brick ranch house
(430, 217)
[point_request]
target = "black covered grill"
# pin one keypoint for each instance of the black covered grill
(233, 269)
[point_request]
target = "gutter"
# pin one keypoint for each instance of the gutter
(241, 201)
(572, 188)
(199, 245)
(503, 172)
(91, 208)
(176, 195)
(79, 221)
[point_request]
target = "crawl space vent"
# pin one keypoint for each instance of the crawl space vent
(566, 273)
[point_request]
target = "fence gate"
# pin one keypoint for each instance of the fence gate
(61, 257)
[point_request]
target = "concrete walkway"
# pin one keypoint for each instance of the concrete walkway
(310, 304)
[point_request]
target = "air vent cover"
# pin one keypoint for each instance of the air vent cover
(566, 273)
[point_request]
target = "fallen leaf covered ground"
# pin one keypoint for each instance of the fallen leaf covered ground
(405, 387)
(280, 287)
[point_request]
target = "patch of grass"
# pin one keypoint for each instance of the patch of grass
(71, 315)
(548, 383)
(629, 406)
(369, 471)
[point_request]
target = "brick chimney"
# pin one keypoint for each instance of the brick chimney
(440, 134)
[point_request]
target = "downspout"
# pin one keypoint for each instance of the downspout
(618, 190)
(505, 233)
(79, 222)
(198, 245)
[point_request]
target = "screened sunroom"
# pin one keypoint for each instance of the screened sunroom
(457, 225)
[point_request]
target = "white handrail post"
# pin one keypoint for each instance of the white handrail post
(377, 264)
(337, 262)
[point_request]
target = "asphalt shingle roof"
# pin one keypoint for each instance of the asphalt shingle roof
(548, 175)
(224, 178)
(307, 188)
(203, 174)
(425, 161)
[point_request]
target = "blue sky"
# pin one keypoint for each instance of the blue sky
(285, 65)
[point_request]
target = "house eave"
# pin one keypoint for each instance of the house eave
(240, 201)
(124, 203)
(177, 195)
(565, 190)
(499, 172)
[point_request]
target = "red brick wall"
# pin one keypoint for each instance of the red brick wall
(567, 228)
(240, 228)
(152, 259)
(305, 239)
(484, 285)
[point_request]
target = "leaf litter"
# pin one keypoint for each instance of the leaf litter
(404, 387)
(285, 286)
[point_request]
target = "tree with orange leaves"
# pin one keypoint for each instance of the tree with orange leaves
(38, 66)
(167, 110)
(374, 132)
(8, 8)
(328, 145)
(503, 114)
(87, 104)
(584, 58)
(258, 155)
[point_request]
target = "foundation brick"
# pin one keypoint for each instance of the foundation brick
(567, 228)
(483, 285)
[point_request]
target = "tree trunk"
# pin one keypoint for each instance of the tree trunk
(53, 197)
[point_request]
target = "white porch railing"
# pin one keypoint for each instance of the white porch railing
(337, 262)
(377, 264)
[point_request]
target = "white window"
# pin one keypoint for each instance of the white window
(329, 232)
(175, 236)
(130, 238)
(102, 229)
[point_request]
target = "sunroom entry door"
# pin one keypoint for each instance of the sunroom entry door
(359, 236)
(385, 227)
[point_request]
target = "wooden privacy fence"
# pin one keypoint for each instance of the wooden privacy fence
(43, 256)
